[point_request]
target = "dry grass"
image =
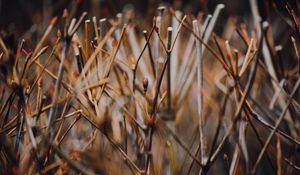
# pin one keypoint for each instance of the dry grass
(98, 96)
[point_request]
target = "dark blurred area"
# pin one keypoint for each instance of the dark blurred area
(19, 15)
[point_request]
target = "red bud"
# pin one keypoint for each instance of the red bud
(54, 20)
(65, 13)
(145, 84)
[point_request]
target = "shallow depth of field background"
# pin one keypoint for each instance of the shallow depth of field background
(120, 145)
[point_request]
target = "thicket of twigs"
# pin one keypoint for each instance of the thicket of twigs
(169, 96)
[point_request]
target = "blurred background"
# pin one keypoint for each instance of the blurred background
(19, 15)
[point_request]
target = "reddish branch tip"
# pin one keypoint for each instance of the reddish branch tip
(78, 116)
(145, 84)
(65, 13)
(58, 33)
(76, 73)
(40, 82)
(114, 43)
(156, 28)
(54, 20)
(44, 49)
(154, 20)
